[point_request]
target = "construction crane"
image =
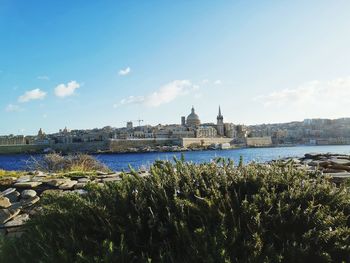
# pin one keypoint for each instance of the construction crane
(139, 121)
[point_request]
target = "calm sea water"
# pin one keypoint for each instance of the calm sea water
(121, 161)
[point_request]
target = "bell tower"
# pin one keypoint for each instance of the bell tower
(220, 123)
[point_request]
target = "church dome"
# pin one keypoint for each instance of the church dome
(193, 119)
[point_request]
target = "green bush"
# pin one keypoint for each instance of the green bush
(212, 212)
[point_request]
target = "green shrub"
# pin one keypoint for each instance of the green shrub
(212, 212)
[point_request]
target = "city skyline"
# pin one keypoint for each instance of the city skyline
(85, 65)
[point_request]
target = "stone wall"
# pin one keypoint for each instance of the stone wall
(185, 142)
(122, 145)
(259, 141)
(86, 147)
(24, 148)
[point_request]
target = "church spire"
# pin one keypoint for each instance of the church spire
(220, 123)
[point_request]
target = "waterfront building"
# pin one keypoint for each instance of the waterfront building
(12, 140)
(41, 138)
(230, 130)
(129, 125)
(206, 132)
(183, 121)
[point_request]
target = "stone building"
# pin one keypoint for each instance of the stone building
(193, 119)
(12, 140)
(230, 130)
(206, 132)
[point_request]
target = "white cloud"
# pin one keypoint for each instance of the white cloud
(66, 90)
(43, 77)
(124, 72)
(35, 94)
(163, 95)
(205, 81)
(218, 82)
(12, 108)
(315, 98)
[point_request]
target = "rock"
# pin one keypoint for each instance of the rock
(23, 179)
(57, 182)
(312, 156)
(4, 202)
(314, 163)
(324, 164)
(7, 214)
(80, 185)
(17, 221)
(106, 176)
(27, 184)
(16, 205)
(68, 185)
(339, 177)
(30, 201)
(83, 180)
(101, 173)
(110, 179)
(41, 174)
(28, 194)
(7, 191)
(37, 179)
(344, 175)
(340, 167)
(7, 181)
(330, 170)
(340, 161)
(13, 197)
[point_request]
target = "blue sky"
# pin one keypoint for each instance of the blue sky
(86, 64)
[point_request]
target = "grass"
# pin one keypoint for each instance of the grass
(4, 173)
(213, 212)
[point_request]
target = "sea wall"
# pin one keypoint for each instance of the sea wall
(86, 147)
(122, 145)
(185, 142)
(259, 141)
(22, 148)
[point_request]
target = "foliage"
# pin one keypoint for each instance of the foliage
(54, 162)
(183, 212)
(4, 173)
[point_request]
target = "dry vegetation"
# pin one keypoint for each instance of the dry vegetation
(65, 164)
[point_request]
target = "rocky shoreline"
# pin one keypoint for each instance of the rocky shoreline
(337, 166)
(19, 196)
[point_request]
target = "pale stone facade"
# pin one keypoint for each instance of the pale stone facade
(206, 132)
(193, 119)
